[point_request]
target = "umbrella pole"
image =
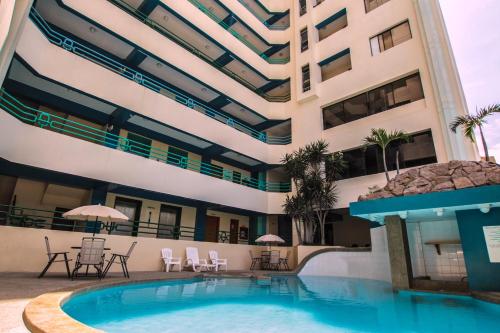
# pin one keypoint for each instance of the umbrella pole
(95, 226)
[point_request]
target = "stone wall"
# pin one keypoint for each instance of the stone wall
(440, 177)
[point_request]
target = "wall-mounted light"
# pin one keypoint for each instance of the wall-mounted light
(439, 211)
(485, 208)
(92, 29)
(403, 215)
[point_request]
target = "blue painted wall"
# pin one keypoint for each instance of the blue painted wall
(483, 275)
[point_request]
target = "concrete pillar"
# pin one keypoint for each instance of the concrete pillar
(199, 225)
(13, 16)
(399, 254)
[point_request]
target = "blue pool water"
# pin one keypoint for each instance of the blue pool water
(284, 305)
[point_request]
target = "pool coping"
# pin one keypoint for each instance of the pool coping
(44, 314)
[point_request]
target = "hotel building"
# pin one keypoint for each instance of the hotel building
(178, 112)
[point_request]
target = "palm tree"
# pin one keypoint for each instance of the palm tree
(469, 123)
(382, 138)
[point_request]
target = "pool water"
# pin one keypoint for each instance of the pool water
(284, 304)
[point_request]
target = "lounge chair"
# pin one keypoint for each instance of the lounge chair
(166, 255)
(52, 259)
(193, 260)
(214, 258)
(123, 261)
(91, 254)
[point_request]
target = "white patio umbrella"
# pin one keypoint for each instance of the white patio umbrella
(269, 239)
(96, 213)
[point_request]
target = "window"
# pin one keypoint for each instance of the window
(304, 41)
(390, 38)
(306, 78)
(302, 7)
(368, 160)
(139, 145)
(397, 93)
(169, 222)
(332, 24)
(335, 65)
(177, 157)
(318, 2)
(372, 4)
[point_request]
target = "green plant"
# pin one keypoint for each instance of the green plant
(382, 138)
(470, 122)
(313, 171)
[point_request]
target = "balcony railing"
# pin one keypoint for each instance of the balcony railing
(262, 19)
(17, 216)
(196, 51)
(236, 34)
(72, 128)
(96, 57)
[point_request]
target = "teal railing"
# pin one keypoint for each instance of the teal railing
(73, 128)
(191, 48)
(18, 216)
(241, 38)
(263, 19)
(146, 81)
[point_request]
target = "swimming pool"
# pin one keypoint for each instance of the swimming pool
(284, 304)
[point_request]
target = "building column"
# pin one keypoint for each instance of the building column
(399, 253)
(199, 225)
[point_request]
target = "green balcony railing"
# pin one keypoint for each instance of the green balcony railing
(241, 38)
(17, 216)
(62, 125)
(262, 19)
(96, 57)
(193, 49)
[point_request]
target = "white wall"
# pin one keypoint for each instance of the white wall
(367, 265)
(425, 260)
(23, 250)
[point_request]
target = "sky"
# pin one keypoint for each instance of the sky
(474, 30)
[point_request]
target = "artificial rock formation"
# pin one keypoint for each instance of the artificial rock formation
(449, 176)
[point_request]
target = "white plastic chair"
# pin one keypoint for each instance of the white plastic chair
(214, 258)
(193, 260)
(168, 260)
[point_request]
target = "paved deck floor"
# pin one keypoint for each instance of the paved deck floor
(17, 289)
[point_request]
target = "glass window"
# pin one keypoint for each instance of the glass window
(403, 91)
(304, 40)
(368, 160)
(372, 4)
(177, 157)
(390, 38)
(332, 24)
(139, 145)
(306, 78)
(339, 64)
(302, 7)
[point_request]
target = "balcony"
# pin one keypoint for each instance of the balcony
(149, 81)
(236, 27)
(272, 20)
(88, 133)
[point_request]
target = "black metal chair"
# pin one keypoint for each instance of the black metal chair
(284, 261)
(123, 261)
(91, 254)
(52, 259)
(256, 261)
